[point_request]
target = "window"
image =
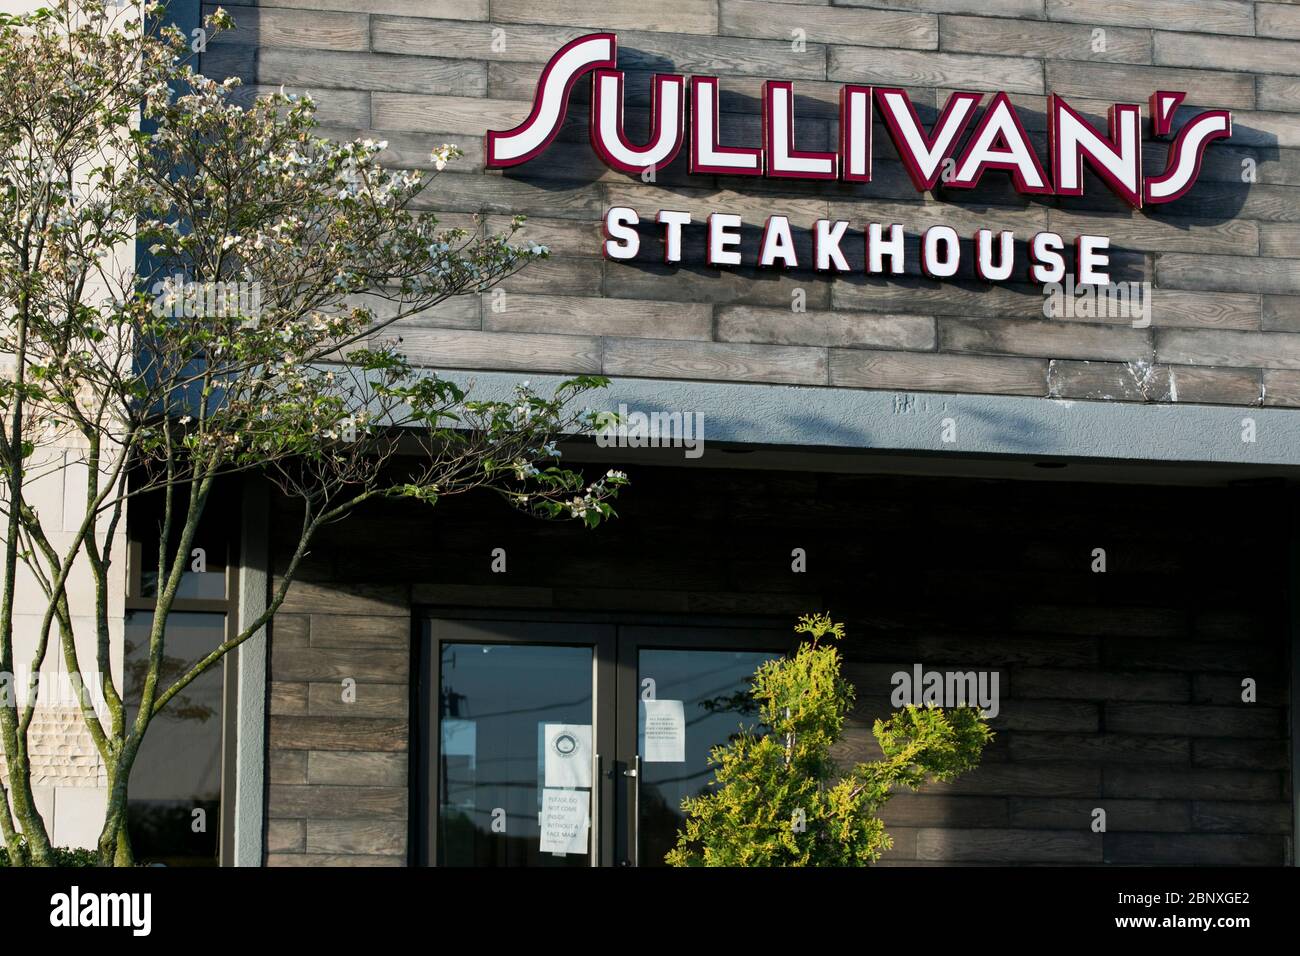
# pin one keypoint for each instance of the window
(175, 797)
(175, 814)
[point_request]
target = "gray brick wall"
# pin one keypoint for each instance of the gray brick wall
(1224, 260)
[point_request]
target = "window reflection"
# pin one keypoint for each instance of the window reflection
(495, 703)
(204, 576)
(178, 769)
(714, 688)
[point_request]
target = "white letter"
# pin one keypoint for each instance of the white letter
(1088, 249)
(777, 243)
(826, 245)
(672, 222)
(984, 266)
(930, 263)
(877, 250)
(1048, 265)
(621, 240)
(724, 231)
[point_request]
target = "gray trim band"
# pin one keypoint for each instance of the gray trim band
(914, 421)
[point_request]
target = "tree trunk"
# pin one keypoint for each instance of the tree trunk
(13, 842)
(38, 849)
(114, 844)
(124, 855)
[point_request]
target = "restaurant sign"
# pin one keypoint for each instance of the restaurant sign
(998, 142)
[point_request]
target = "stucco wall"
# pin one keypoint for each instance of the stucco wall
(1222, 260)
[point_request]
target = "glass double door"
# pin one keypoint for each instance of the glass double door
(573, 744)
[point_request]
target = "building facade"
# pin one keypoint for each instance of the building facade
(1082, 494)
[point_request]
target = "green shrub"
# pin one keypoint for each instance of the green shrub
(63, 856)
(780, 800)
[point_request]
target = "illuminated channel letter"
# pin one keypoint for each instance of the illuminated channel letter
(622, 241)
(783, 160)
(878, 248)
(1047, 265)
(923, 154)
(935, 264)
(608, 137)
(1187, 150)
(984, 267)
(1091, 257)
(724, 236)
(707, 154)
(855, 134)
(778, 243)
(533, 135)
(1117, 159)
(672, 220)
(827, 237)
(1000, 142)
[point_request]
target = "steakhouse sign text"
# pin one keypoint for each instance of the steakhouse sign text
(998, 142)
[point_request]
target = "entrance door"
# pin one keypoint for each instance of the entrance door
(568, 744)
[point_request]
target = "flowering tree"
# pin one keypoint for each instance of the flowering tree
(240, 343)
(780, 800)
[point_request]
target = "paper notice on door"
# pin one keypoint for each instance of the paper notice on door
(568, 754)
(663, 731)
(565, 821)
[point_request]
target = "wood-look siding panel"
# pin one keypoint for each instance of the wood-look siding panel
(1196, 16)
(1031, 38)
(1129, 703)
(420, 74)
(829, 24)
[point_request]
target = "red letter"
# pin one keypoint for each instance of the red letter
(1188, 148)
(608, 138)
(1117, 160)
(783, 160)
(707, 156)
(1000, 122)
(534, 134)
(923, 155)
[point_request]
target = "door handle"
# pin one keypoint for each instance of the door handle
(595, 809)
(635, 773)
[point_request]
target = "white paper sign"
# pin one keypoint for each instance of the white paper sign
(565, 821)
(568, 754)
(664, 731)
